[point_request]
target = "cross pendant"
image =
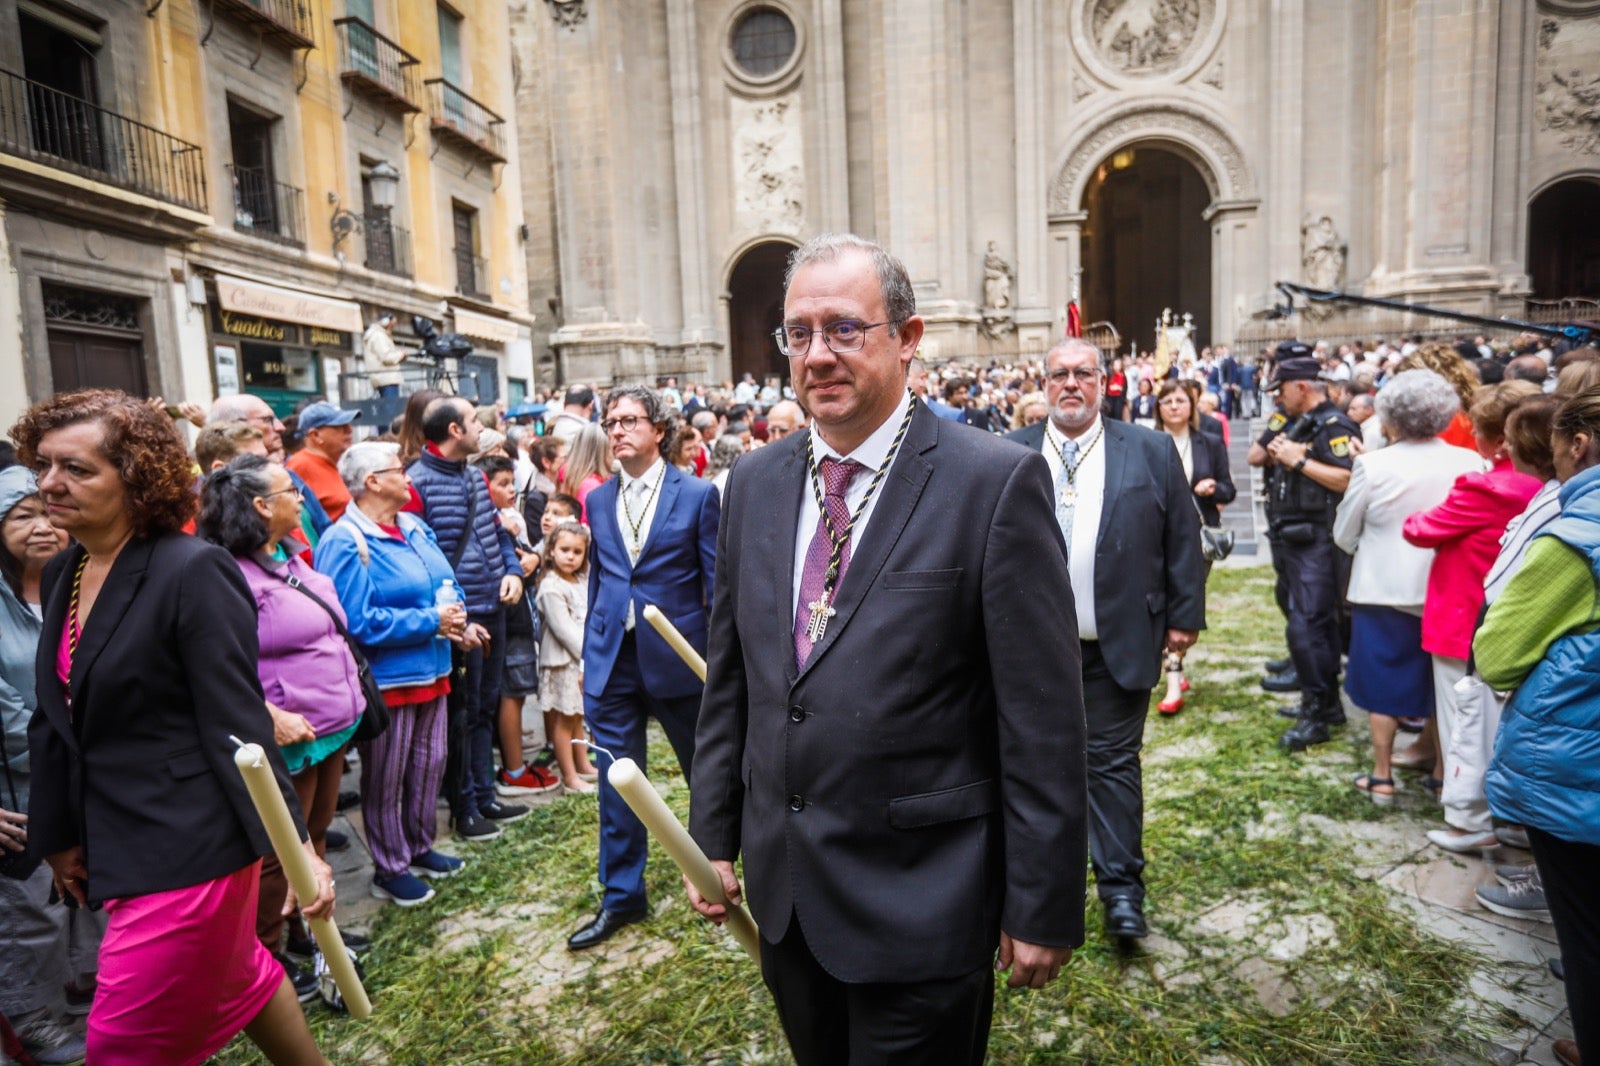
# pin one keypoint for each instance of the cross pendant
(820, 613)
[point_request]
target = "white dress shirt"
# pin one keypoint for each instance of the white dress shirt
(636, 495)
(1090, 483)
(871, 453)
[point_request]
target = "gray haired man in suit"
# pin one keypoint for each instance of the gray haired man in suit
(1138, 581)
(892, 730)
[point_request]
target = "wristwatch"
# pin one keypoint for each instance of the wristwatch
(1301, 465)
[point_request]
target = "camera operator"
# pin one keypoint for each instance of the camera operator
(1311, 448)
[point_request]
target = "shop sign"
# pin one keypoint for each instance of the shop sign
(328, 338)
(258, 329)
(287, 305)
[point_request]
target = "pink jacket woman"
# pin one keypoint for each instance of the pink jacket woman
(1465, 532)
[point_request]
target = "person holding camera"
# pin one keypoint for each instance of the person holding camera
(1311, 445)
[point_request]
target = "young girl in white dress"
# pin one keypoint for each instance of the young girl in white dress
(564, 605)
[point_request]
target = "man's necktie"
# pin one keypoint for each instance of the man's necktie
(1066, 492)
(836, 477)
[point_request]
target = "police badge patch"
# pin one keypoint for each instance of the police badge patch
(1277, 421)
(1340, 446)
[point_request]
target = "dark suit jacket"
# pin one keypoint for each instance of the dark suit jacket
(920, 784)
(141, 774)
(1209, 458)
(674, 572)
(1149, 573)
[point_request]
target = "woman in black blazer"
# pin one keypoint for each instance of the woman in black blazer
(1205, 463)
(147, 666)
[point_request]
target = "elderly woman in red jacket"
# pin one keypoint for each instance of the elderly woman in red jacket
(1465, 532)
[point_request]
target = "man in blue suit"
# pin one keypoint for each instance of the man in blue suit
(654, 541)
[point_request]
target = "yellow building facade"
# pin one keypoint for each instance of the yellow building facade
(208, 196)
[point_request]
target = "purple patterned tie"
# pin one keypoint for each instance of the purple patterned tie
(836, 477)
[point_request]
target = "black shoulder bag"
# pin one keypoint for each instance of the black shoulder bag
(17, 865)
(375, 719)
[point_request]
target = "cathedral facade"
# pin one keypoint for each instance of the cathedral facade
(1139, 154)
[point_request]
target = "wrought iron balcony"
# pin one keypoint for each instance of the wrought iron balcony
(48, 126)
(459, 118)
(376, 67)
(266, 208)
(288, 22)
(388, 246)
(472, 274)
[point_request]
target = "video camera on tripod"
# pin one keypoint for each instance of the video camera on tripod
(444, 352)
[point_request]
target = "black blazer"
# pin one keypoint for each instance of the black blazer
(1209, 458)
(1149, 573)
(920, 785)
(141, 774)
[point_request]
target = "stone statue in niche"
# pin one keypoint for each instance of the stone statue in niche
(1322, 257)
(996, 293)
(1146, 36)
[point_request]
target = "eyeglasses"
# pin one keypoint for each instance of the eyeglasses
(1084, 374)
(389, 470)
(297, 494)
(626, 422)
(841, 337)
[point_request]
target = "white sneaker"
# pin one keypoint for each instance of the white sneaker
(1458, 842)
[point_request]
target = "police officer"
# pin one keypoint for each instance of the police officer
(1313, 455)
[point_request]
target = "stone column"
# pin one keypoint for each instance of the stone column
(830, 166)
(702, 333)
(1066, 259)
(1034, 309)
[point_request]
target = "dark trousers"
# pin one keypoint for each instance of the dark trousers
(1570, 872)
(474, 708)
(388, 392)
(917, 1023)
(1115, 720)
(617, 719)
(1312, 578)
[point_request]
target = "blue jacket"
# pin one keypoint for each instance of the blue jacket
(443, 485)
(1546, 766)
(673, 572)
(388, 596)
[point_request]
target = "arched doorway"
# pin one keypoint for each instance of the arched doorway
(1564, 240)
(755, 309)
(1146, 244)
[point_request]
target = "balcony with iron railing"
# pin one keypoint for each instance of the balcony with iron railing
(388, 246)
(460, 119)
(472, 274)
(266, 208)
(376, 67)
(71, 134)
(287, 22)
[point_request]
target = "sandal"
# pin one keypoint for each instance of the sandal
(1369, 784)
(1434, 785)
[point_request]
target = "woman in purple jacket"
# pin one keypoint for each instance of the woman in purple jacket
(309, 677)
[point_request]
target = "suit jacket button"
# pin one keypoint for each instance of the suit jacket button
(797, 803)
(797, 714)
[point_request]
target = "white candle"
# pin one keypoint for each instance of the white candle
(252, 764)
(631, 784)
(670, 634)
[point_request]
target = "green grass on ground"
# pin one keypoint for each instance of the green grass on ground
(1268, 946)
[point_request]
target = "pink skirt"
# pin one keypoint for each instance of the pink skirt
(181, 973)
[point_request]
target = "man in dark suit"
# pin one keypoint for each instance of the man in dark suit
(654, 542)
(1138, 580)
(892, 733)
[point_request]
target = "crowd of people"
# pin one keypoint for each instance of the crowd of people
(455, 605)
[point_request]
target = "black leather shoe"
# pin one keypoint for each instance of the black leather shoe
(606, 925)
(336, 841)
(1125, 918)
(1278, 666)
(1288, 681)
(1305, 733)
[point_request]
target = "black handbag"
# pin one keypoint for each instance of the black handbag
(375, 720)
(17, 865)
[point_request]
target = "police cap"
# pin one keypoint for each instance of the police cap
(1298, 368)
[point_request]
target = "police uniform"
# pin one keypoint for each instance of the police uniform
(1301, 514)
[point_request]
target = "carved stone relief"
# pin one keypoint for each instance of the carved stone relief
(568, 13)
(768, 169)
(1080, 88)
(1213, 76)
(1567, 102)
(1147, 36)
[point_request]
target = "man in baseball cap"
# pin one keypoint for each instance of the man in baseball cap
(327, 433)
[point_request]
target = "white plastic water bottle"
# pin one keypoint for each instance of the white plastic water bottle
(448, 595)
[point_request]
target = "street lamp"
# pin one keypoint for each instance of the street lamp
(383, 184)
(383, 188)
